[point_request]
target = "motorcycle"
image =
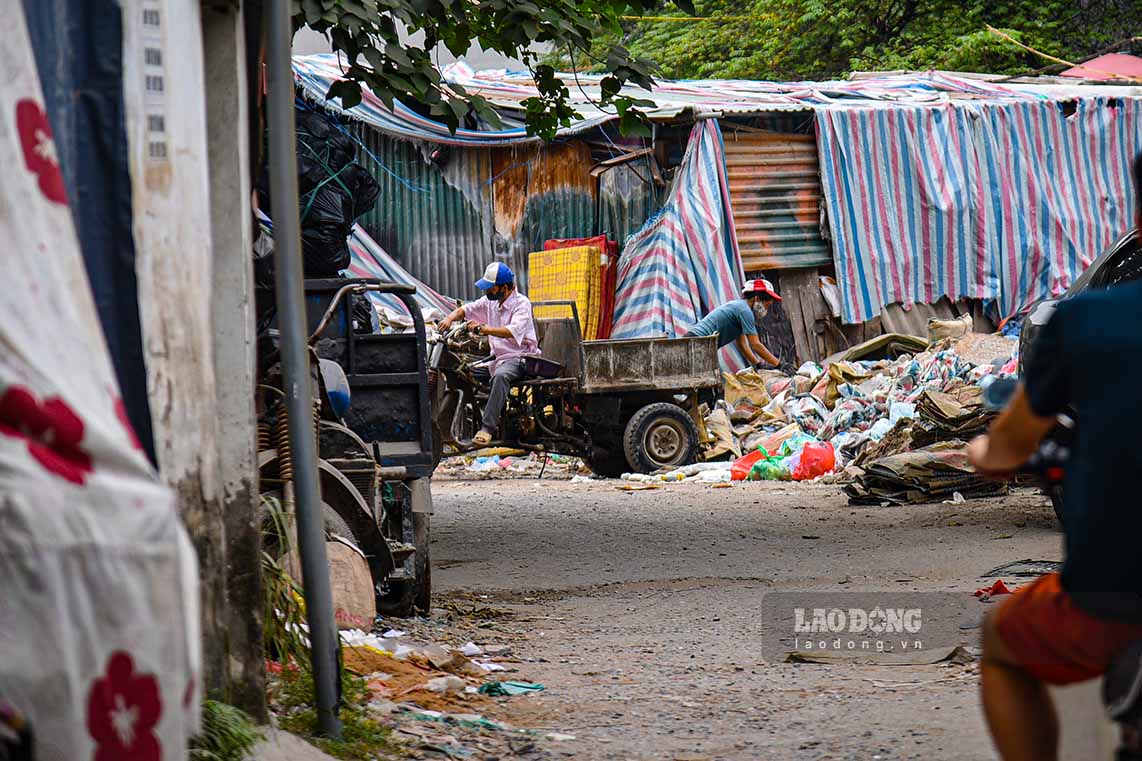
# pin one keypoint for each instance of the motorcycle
(1122, 683)
(622, 405)
(543, 420)
(1048, 465)
(1121, 263)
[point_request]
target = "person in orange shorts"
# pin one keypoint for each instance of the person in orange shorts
(1066, 628)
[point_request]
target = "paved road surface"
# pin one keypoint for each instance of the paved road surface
(645, 607)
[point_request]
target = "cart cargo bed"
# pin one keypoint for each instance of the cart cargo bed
(650, 364)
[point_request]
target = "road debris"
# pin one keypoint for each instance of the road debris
(895, 428)
(995, 589)
(509, 688)
(1027, 567)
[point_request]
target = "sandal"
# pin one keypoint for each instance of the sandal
(482, 439)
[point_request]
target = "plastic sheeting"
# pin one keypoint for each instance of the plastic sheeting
(1000, 200)
(684, 262)
(99, 632)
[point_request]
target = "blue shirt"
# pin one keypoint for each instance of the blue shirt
(730, 321)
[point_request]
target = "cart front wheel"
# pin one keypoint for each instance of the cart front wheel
(660, 435)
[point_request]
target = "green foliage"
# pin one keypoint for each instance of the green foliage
(227, 734)
(826, 39)
(365, 34)
(283, 611)
(362, 738)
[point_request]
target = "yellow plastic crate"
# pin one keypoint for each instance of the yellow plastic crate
(568, 274)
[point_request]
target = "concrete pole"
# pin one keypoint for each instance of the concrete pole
(232, 334)
(295, 366)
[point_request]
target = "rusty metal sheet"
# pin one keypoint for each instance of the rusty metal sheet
(541, 192)
(775, 193)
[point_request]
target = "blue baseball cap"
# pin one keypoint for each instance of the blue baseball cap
(497, 273)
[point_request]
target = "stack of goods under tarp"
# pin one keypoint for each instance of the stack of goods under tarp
(895, 429)
(581, 270)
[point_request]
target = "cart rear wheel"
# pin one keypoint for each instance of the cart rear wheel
(660, 435)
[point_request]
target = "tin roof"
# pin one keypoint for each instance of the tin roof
(714, 97)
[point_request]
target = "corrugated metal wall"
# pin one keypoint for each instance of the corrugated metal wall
(775, 192)
(445, 220)
(436, 220)
(627, 198)
(541, 192)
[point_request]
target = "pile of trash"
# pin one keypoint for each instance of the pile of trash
(894, 428)
(333, 192)
(432, 699)
(504, 462)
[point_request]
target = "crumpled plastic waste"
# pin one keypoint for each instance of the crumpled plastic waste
(741, 467)
(489, 464)
(719, 476)
(445, 684)
(899, 410)
(795, 443)
(880, 428)
(816, 459)
(769, 469)
(808, 411)
(509, 688)
(996, 588)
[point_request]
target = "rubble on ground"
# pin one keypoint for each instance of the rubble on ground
(422, 697)
(502, 462)
(893, 429)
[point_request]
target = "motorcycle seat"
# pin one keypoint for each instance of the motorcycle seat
(1122, 685)
(533, 382)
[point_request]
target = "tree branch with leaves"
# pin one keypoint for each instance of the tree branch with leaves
(370, 39)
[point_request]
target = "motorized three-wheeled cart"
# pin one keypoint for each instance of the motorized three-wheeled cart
(374, 432)
(623, 405)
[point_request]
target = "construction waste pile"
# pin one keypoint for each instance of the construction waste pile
(892, 430)
(406, 695)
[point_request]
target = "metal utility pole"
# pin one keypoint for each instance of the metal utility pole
(295, 367)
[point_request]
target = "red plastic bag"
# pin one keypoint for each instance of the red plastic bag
(817, 459)
(740, 469)
(997, 588)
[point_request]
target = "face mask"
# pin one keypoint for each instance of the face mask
(760, 310)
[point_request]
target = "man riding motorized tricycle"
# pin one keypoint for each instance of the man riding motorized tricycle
(622, 405)
(504, 315)
(1071, 627)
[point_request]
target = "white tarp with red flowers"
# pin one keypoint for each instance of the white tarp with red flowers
(99, 644)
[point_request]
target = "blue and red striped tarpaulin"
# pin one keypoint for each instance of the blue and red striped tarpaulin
(684, 262)
(1005, 200)
(370, 260)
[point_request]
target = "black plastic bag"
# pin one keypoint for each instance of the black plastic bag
(363, 189)
(320, 140)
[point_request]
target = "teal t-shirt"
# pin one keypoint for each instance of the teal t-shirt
(730, 321)
(1089, 356)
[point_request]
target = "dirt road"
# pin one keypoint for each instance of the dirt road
(641, 611)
